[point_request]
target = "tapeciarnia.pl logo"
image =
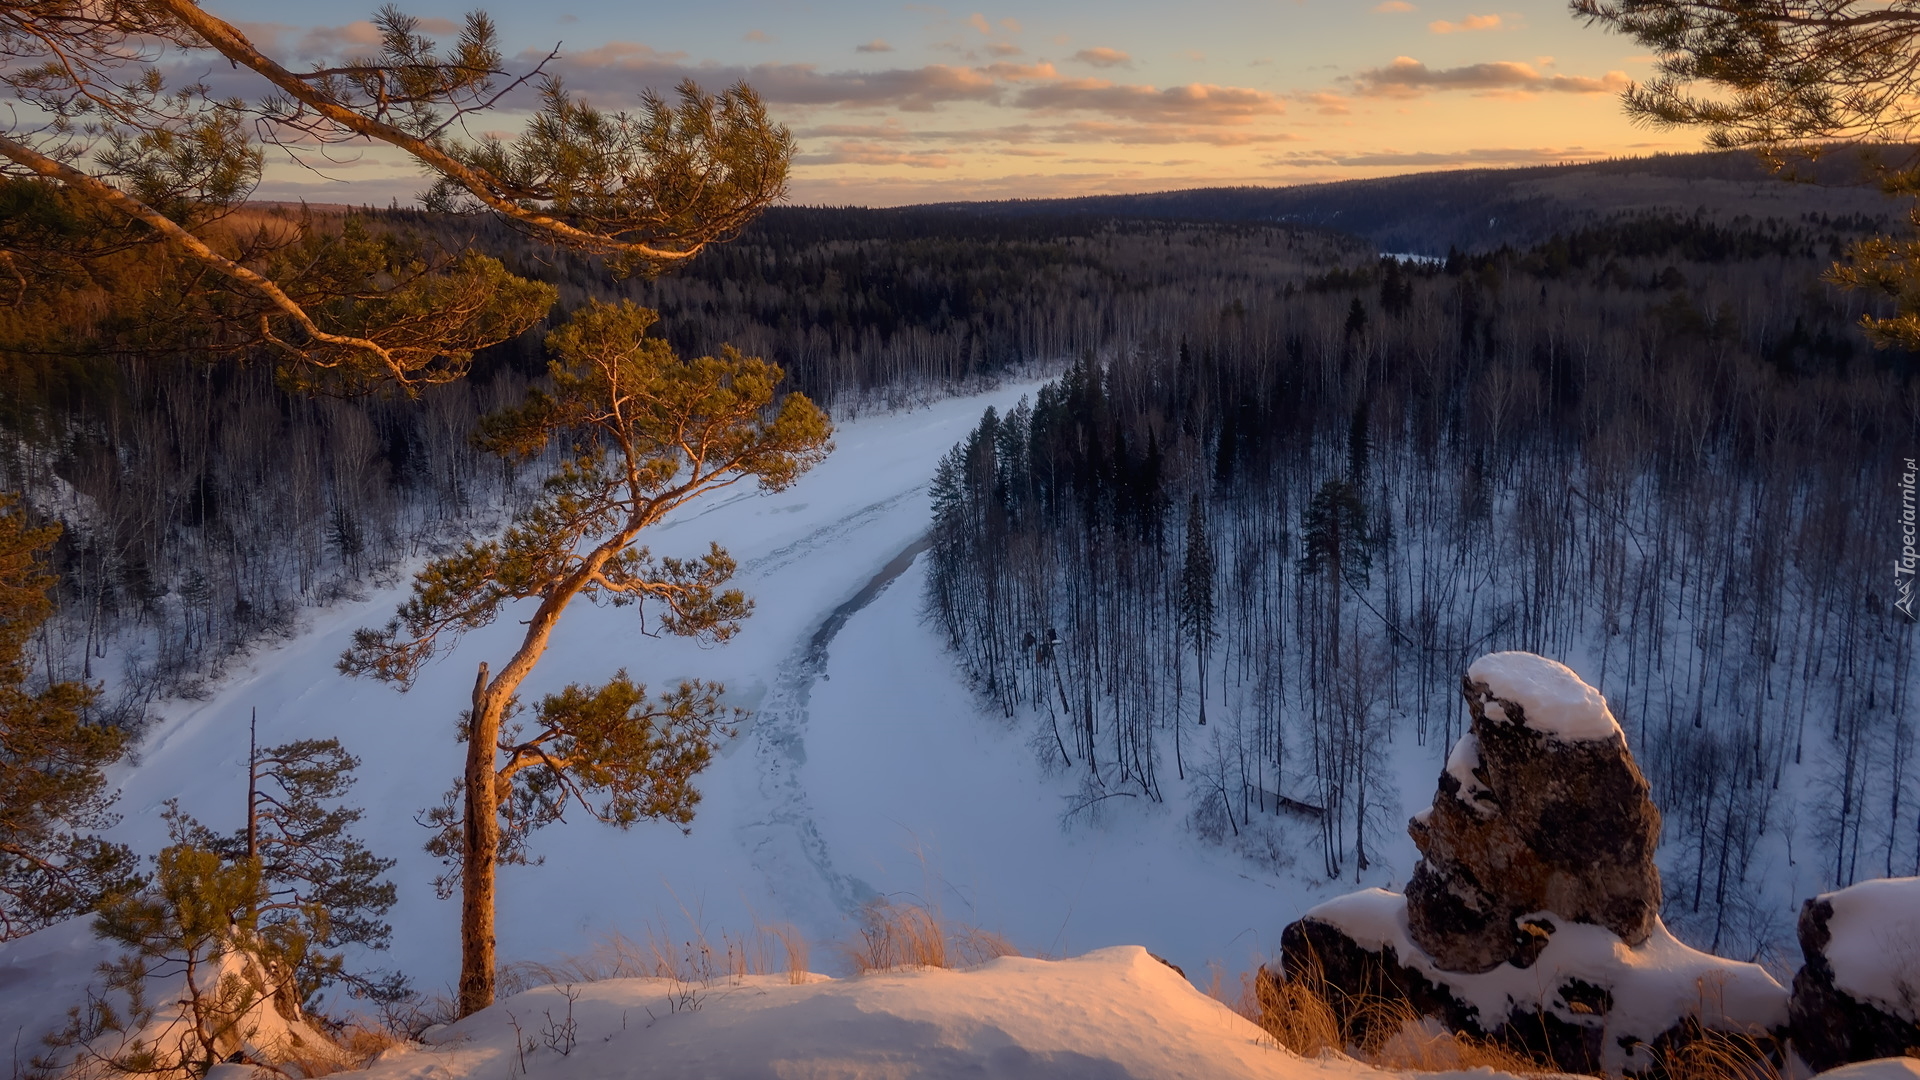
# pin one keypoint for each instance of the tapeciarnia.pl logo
(1903, 567)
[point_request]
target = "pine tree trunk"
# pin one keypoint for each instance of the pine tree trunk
(480, 849)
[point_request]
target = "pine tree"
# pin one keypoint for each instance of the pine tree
(649, 432)
(53, 795)
(317, 880)
(1335, 527)
(197, 920)
(1196, 594)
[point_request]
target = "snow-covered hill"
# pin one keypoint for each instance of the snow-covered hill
(1112, 1014)
(867, 768)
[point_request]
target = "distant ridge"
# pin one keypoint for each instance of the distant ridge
(1479, 209)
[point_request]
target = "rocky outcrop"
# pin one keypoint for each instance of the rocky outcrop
(1586, 1002)
(1532, 918)
(1540, 809)
(1857, 997)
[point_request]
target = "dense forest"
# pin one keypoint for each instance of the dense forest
(206, 505)
(1254, 549)
(1314, 481)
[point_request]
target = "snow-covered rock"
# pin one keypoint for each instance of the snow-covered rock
(1587, 1000)
(1857, 996)
(1112, 1013)
(1533, 915)
(1551, 698)
(1540, 808)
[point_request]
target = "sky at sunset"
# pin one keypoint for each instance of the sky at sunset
(898, 103)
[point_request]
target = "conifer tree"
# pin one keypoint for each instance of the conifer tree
(53, 795)
(1196, 594)
(316, 877)
(648, 432)
(1335, 527)
(197, 920)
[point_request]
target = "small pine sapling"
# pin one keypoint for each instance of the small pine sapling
(313, 870)
(194, 925)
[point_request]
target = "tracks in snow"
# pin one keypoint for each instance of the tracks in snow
(784, 843)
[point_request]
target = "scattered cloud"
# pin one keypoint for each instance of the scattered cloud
(1069, 133)
(1166, 134)
(1470, 23)
(979, 22)
(617, 71)
(1194, 54)
(1327, 104)
(1407, 77)
(756, 35)
(331, 42)
(1103, 57)
(855, 153)
(877, 45)
(1019, 73)
(1011, 26)
(1196, 103)
(1005, 48)
(1394, 6)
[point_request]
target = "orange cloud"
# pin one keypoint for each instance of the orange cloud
(616, 70)
(852, 153)
(979, 22)
(1471, 22)
(1328, 104)
(1103, 57)
(1196, 103)
(1407, 77)
(877, 45)
(1391, 6)
(1072, 132)
(1021, 72)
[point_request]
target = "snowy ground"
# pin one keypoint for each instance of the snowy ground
(1111, 1015)
(867, 769)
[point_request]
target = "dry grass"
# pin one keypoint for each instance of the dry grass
(1300, 1016)
(354, 1047)
(1294, 1012)
(910, 935)
(694, 958)
(1304, 1016)
(1719, 1055)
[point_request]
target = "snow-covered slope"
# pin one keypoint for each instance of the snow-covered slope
(1112, 1014)
(867, 768)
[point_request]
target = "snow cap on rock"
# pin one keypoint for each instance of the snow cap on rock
(1858, 994)
(1552, 699)
(1875, 944)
